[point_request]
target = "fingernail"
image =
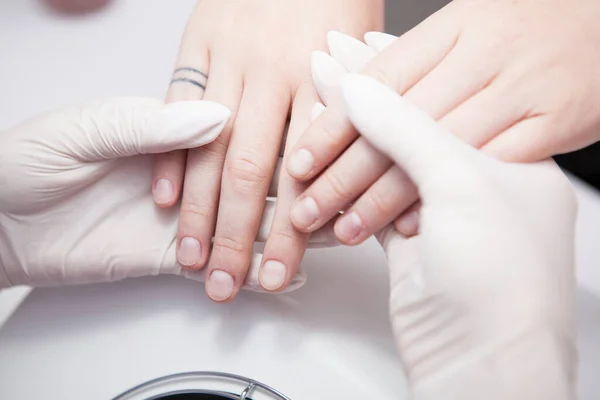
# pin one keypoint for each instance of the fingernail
(162, 191)
(317, 110)
(349, 227)
(408, 224)
(219, 286)
(379, 40)
(327, 74)
(349, 51)
(305, 213)
(272, 275)
(189, 252)
(301, 163)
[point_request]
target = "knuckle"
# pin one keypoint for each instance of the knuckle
(191, 208)
(338, 186)
(382, 202)
(215, 150)
(228, 244)
(248, 174)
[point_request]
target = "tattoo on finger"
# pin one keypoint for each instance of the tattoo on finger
(189, 75)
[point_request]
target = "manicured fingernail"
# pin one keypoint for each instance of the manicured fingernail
(349, 227)
(189, 252)
(349, 51)
(272, 275)
(379, 40)
(327, 74)
(305, 213)
(162, 191)
(301, 163)
(219, 286)
(408, 224)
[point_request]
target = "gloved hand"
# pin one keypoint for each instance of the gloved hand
(75, 199)
(482, 299)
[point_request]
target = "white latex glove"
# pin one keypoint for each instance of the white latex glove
(482, 299)
(75, 199)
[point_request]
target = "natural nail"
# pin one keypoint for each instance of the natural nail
(301, 163)
(304, 213)
(349, 227)
(162, 191)
(272, 275)
(219, 286)
(190, 252)
(408, 224)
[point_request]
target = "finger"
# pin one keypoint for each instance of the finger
(131, 126)
(204, 168)
(447, 86)
(408, 223)
(485, 115)
(402, 132)
(274, 187)
(331, 132)
(526, 141)
(286, 246)
(188, 82)
(379, 40)
(249, 166)
(377, 207)
(323, 237)
(338, 185)
(410, 57)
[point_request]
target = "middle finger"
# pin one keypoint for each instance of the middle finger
(249, 166)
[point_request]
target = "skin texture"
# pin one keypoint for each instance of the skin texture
(514, 78)
(255, 55)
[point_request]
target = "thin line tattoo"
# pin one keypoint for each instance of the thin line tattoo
(194, 70)
(186, 80)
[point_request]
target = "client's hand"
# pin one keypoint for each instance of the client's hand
(75, 202)
(252, 56)
(517, 79)
(482, 300)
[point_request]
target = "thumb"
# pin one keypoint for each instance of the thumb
(399, 130)
(130, 126)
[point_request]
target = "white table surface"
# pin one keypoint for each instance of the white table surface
(105, 338)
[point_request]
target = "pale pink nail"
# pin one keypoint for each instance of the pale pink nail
(189, 252)
(349, 227)
(162, 191)
(301, 163)
(219, 286)
(408, 224)
(304, 213)
(272, 275)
